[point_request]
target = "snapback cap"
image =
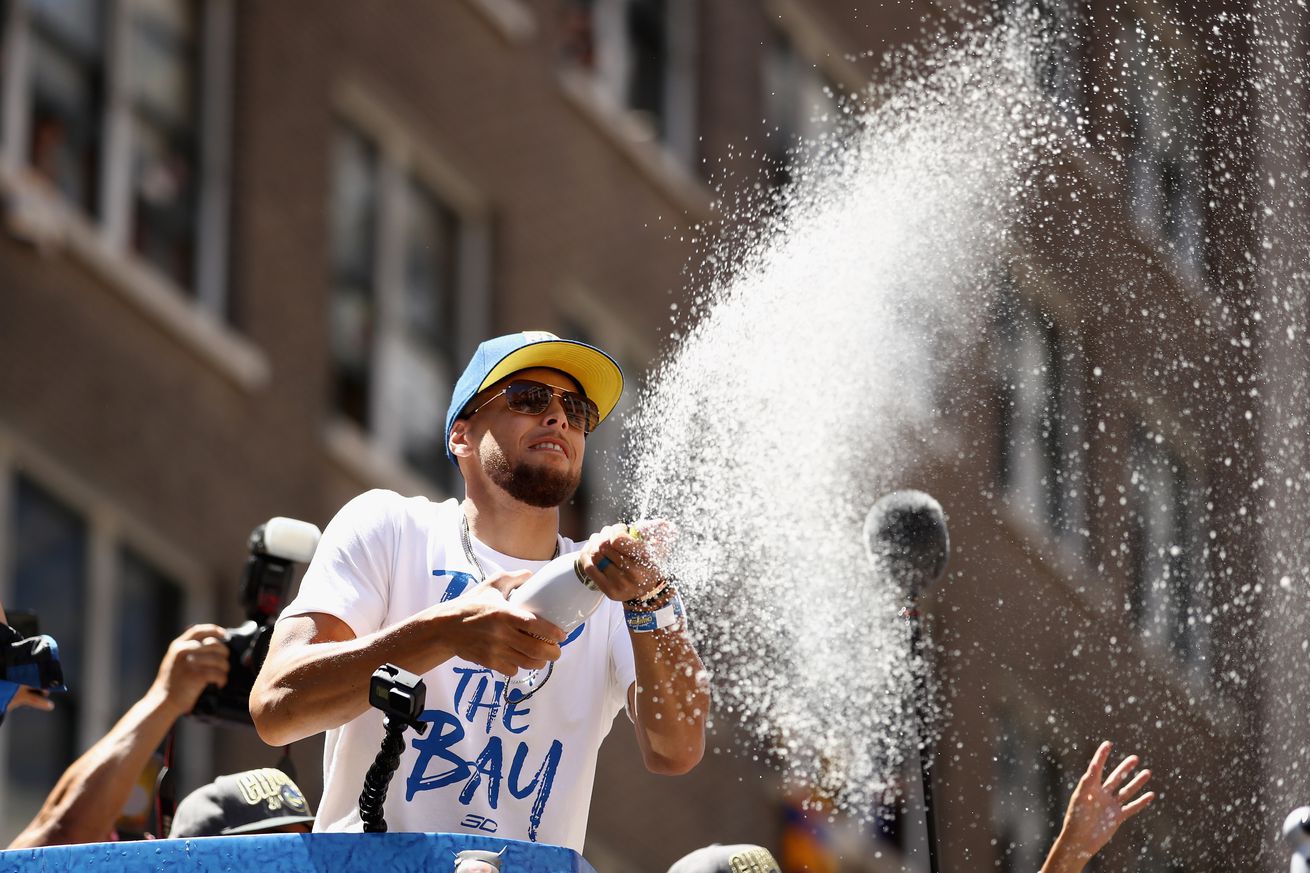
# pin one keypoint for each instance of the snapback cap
(241, 803)
(727, 859)
(597, 373)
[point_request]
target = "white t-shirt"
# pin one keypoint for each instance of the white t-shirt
(519, 770)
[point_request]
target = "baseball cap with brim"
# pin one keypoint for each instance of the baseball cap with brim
(727, 859)
(242, 803)
(599, 376)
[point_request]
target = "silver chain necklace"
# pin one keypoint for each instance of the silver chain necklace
(466, 540)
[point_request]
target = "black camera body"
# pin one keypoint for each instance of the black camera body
(27, 657)
(275, 548)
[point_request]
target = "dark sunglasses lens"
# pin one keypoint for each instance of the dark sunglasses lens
(528, 397)
(581, 412)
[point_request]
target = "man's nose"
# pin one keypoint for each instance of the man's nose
(554, 414)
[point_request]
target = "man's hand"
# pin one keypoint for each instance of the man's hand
(624, 566)
(197, 658)
(31, 697)
(1096, 810)
(501, 636)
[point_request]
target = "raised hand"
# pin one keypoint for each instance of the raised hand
(197, 658)
(1098, 807)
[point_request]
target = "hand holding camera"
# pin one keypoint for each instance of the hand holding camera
(196, 659)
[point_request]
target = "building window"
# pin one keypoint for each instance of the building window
(401, 279)
(1166, 598)
(150, 616)
(800, 106)
(1054, 27)
(49, 543)
(1027, 799)
(67, 80)
(109, 659)
(165, 81)
(1163, 160)
(641, 54)
(1041, 453)
(123, 113)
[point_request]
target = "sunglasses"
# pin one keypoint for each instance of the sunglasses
(533, 398)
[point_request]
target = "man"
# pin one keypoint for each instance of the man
(90, 795)
(425, 586)
(264, 801)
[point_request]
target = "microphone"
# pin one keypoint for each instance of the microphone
(1296, 833)
(905, 536)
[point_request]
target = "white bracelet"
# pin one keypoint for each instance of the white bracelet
(668, 615)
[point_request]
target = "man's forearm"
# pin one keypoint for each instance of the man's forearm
(317, 686)
(1063, 858)
(671, 702)
(91, 793)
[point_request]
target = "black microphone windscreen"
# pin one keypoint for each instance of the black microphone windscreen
(905, 535)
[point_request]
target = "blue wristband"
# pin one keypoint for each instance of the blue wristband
(668, 615)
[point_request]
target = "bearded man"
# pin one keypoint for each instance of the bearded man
(425, 586)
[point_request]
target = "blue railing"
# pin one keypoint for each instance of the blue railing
(293, 853)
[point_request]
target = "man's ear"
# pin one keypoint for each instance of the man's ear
(459, 439)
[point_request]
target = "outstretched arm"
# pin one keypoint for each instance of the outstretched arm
(671, 698)
(1096, 810)
(91, 793)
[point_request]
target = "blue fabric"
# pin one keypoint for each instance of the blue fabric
(293, 853)
(30, 673)
(7, 692)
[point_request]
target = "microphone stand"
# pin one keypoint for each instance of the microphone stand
(906, 537)
(911, 615)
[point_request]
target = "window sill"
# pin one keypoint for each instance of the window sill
(512, 20)
(1072, 572)
(351, 449)
(637, 144)
(35, 214)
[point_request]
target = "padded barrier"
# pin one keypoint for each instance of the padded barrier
(292, 853)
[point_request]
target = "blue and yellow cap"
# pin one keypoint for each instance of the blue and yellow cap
(599, 375)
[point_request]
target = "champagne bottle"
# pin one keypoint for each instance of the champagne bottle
(560, 593)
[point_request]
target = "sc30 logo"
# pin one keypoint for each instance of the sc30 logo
(479, 823)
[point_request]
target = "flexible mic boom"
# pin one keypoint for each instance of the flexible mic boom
(905, 535)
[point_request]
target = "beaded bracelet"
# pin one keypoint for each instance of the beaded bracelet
(644, 604)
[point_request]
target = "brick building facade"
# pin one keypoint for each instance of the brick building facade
(249, 245)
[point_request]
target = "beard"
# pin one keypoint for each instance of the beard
(534, 485)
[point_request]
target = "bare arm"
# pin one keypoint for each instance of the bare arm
(670, 700)
(91, 793)
(1096, 810)
(317, 672)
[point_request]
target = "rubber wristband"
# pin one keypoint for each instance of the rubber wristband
(667, 616)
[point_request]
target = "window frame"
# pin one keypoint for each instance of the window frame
(1061, 515)
(110, 529)
(404, 153)
(1161, 616)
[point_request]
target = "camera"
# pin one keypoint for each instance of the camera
(400, 694)
(275, 547)
(27, 658)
